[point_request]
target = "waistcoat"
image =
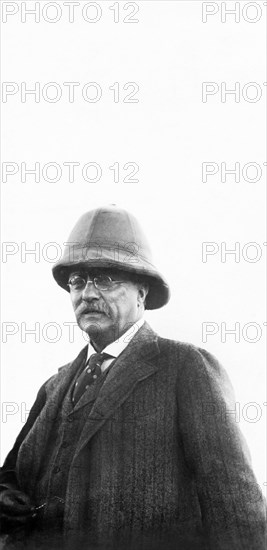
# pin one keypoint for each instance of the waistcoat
(53, 476)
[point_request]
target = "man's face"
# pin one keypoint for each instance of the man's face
(106, 314)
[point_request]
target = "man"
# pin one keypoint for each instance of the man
(130, 446)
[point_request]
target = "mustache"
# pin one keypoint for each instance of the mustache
(91, 308)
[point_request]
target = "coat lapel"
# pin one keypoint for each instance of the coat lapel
(60, 384)
(32, 449)
(132, 366)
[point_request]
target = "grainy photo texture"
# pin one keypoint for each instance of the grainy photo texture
(133, 405)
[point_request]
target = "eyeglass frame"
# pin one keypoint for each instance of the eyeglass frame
(93, 281)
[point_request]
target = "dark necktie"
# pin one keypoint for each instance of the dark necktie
(89, 375)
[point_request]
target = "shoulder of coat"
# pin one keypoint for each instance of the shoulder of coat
(167, 344)
(185, 351)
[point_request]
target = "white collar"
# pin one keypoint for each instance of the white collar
(117, 347)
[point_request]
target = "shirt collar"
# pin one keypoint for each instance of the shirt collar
(117, 347)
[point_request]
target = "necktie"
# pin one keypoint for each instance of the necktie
(89, 375)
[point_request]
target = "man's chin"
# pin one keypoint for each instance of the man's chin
(92, 322)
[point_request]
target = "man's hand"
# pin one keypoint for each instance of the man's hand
(16, 509)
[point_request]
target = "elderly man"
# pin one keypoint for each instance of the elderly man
(130, 446)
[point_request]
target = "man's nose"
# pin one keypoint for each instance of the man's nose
(90, 291)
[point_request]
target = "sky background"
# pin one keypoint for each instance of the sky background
(166, 136)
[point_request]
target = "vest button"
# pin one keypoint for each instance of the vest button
(64, 444)
(56, 470)
(70, 419)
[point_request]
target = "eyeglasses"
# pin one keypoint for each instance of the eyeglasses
(77, 283)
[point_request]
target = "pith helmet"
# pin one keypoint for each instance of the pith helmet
(110, 237)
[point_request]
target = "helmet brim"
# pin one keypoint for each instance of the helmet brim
(158, 294)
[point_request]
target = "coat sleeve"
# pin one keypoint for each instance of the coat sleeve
(232, 506)
(8, 478)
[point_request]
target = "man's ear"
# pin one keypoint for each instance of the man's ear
(142, 293)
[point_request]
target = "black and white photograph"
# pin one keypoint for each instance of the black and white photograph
(133, 275)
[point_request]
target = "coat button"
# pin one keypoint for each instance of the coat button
(70, 419)
(56, 470)
(64, 444)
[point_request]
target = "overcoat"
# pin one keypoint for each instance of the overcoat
(158, 463)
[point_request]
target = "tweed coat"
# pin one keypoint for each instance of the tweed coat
(159, 463)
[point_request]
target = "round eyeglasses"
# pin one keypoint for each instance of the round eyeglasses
(77, 283)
